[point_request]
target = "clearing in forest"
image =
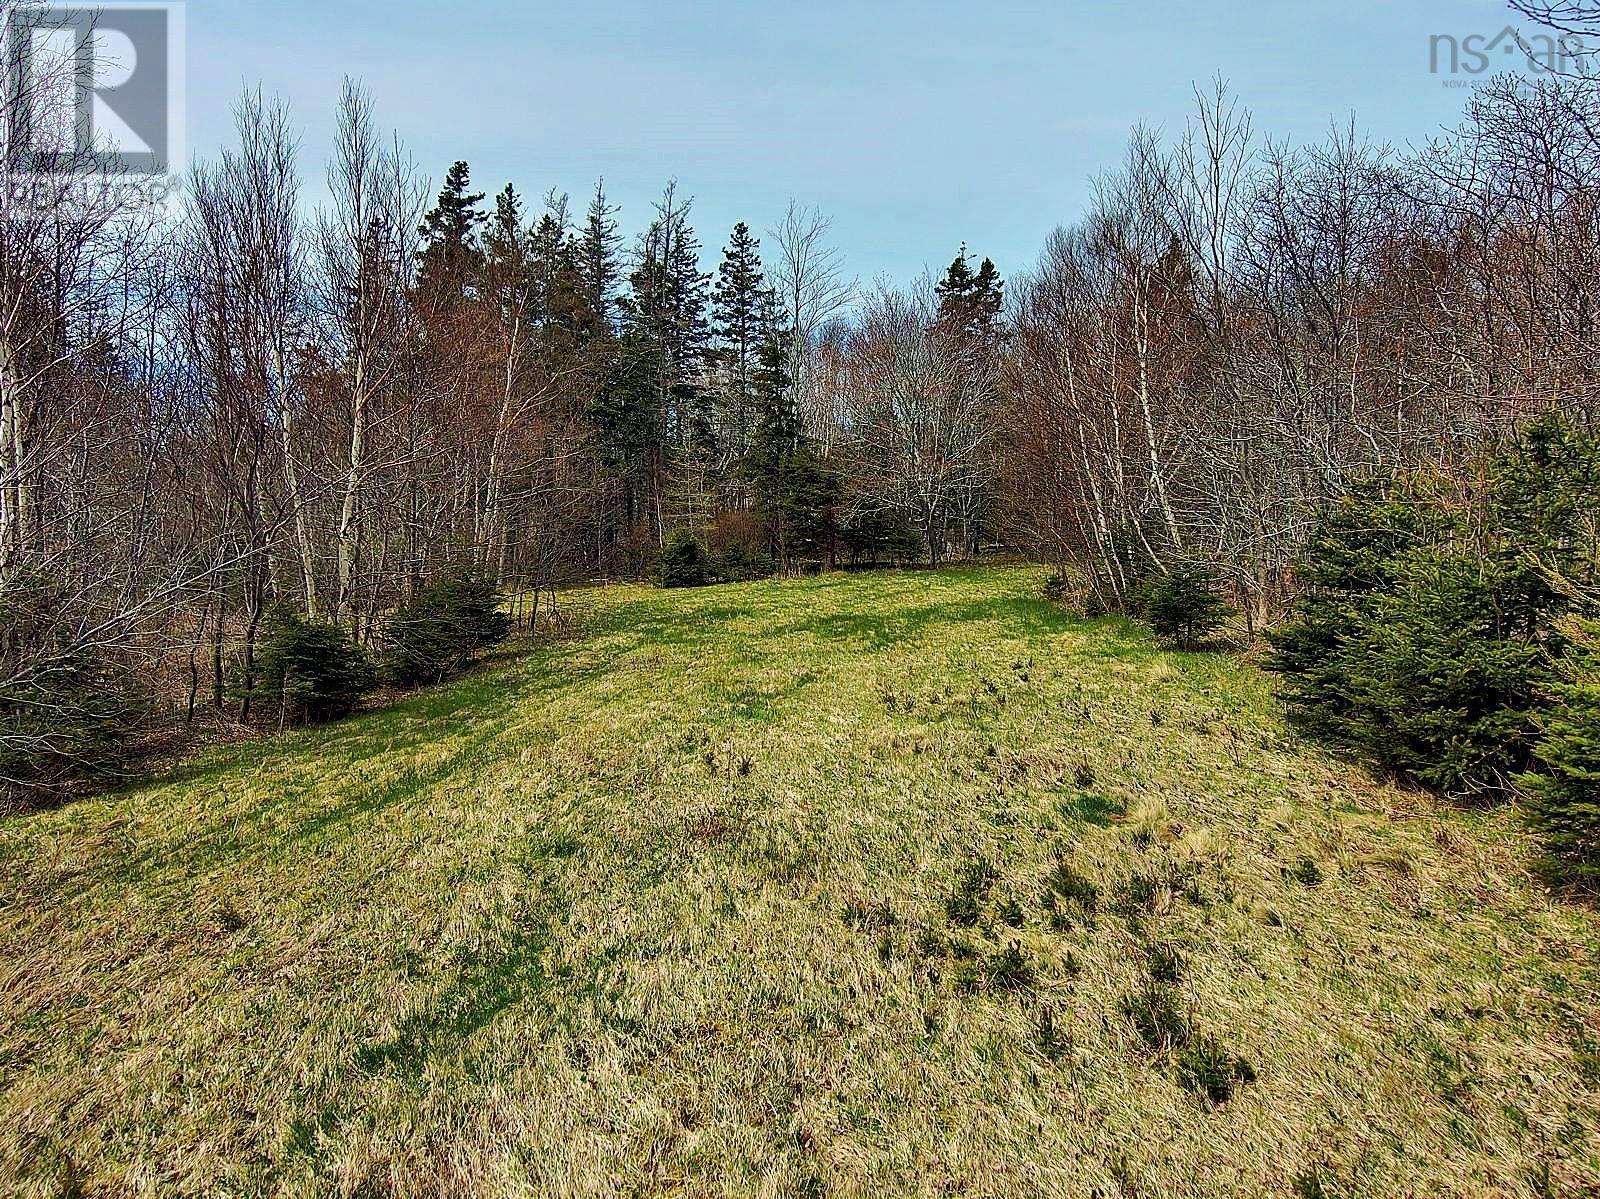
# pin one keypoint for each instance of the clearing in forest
(898, 883)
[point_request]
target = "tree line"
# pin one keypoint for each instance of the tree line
(262, 404)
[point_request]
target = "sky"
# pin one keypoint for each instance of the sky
(914, 126)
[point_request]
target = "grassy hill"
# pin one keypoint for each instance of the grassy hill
(890, 884)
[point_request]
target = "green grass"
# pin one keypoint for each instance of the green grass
(898, 883)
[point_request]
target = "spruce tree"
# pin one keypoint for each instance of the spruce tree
(665, 315)
(450, 253)
(1353, 556)
(505, 256)
(1564, 787)
(1430, 646)
(739, 298)
(599, 246)
(970, 302)
(505, 237)
(1543, 509)
(794, 490)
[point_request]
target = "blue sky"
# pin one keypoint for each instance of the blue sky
(914, 125)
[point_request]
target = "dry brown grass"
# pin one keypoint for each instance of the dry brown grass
(672, 909)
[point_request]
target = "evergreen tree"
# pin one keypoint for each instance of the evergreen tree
(628, 417)
(505, 257)
(1432, 649)
(1440, 693)
(446, 625)
(970, 302)
(1353, 556)
(505, 238)
(1182, 606)
(683, 561)
(739, 299)
(666, 327)
(1544, 509)
(795, 492)
(566, 320)
(311, 669)
(598, 249)
(65, 707)
(451, 254)
(1564, 788)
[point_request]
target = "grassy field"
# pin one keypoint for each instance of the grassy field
(889, 884)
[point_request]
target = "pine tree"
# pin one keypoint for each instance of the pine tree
(451, 254)
(1440, 694)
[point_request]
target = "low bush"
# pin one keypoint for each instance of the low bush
(1564, 790)
(443, 629)
(683, 561)
(739, 548)
(1183, 606)
(876, 536)
(67, 704)
(310, 670)
(738, 564)
(1449, 651)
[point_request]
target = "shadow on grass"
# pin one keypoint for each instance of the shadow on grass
(313, 788)
(485, 986)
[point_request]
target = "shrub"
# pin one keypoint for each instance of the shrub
(1182, 607)
(737, 564)
(1564, 792)
(683, 561)
(1440, 694)
(738, 547)
(1352, 557)
(1433, 649)
(312, 670)
(66, 707)
(439, 632)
